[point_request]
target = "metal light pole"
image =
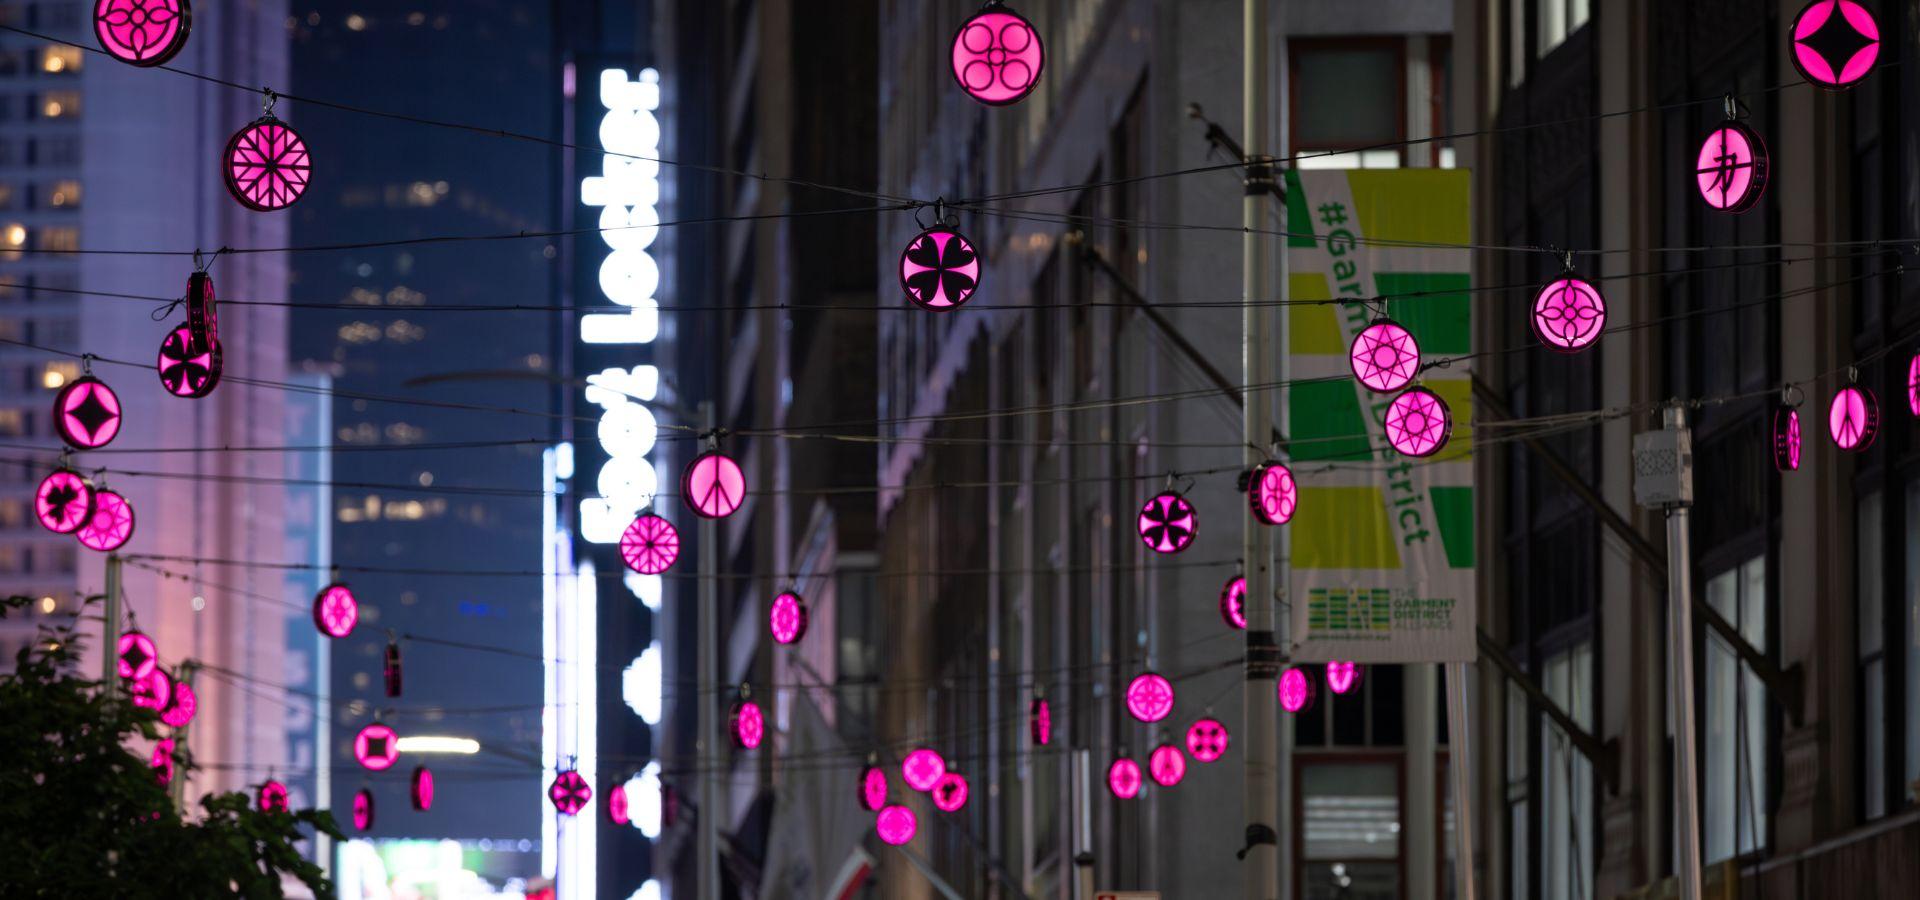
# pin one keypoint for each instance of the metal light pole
(110, 626)
(707, 749)
(1460, 759)
(1663, 479)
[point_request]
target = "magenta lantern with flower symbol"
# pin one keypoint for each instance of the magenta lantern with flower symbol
(1786, 438)
(997, 56)
(154, 691)
(1040, 722)
(142, 32)
(335, 611)
(1418, 422)
(617, 811)
(747, 724)
(203, 315)
(922, 768)
(787, 618)
(1123, 778)
(939, 270)
(650, 544)
(873, 788)
(420, 789)
(1295, 689)
(1167, 765)
(896, 825)
(181, 706)
(1835, 43)
(162, 761)
(271, 798)
(1272, 494)
(1384, 357)
(950, 792)
(376, 747)
(184, 373)
(267, 165)
(86, 413)
(111, 525)
(1853, 418)
(64, 502)
(1569, 314)
(1343, 675)
(713, 485)
(362, 810)
(1233, 603)
(1150, 697)
(1168, 523)
(1207, 740)
(137, 655)
(1732, 168)
(569, 793)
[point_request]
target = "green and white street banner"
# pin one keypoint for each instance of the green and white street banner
(1383, 554)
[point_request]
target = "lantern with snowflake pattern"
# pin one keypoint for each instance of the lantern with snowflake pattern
(787, 618)
(266, 165)
(1123, 778)
(746, 723)
(650, 544)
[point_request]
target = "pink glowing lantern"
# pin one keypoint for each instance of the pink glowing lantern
(153, 691)
(1384, 356)
(1854, 418)
(86, 413)
(1233, 603)
(376, 747)
(420, 789)
(1272, 494)
(1295, 689)
(896, 825)
(181, 707)
(650, 544)
(997, 56)
(617, 811)
(1123, 778)
(363, 810)
(63, 502)
(1168, 523)
(1167, 765)
(1207, 740)
(267, 165)
(203, 318)
(939, 270)
(1786, 438)
(271, 798)
(1040, 722)
(747, 724)
(1418, 422)
(950, 792)
(922, 769)
(569, 793)
(1732, 168)
(184, 373)
(713, 485)
(1150, 697)
(391, 669)
(111, 525)
(787, 618)
(1342, 675)
(1569, 314)
(873, 788)
(162, 761)
(335, 611)
(137, 656)
(142, 32)
(1913, 385)
(1835, 43)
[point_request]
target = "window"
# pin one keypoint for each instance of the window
(1566, 801)
(1870, 606)
(60, 60)
(1733, 739)
(1350, 828)
(58, 105)
(64, 194)
(1555, 20)
(1348, 94)
(1910, 633)
(59, 238)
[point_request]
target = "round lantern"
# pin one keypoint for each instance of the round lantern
(939, 270)
(922, 769)
(266, 165)
(997, 56)
(1207, 740)
(152, 691)
(1295, 689)
(747, 724)
(162, 761)
(420, 789)
(86, 413)
(1731, 170)
(1913, 385)
(950, 792)
(896, 825)
(1150, 697)
(376, 747)
(1418, 422)
(1168, 523)
(1233, 603)
(1569, 314)
(713, 485)
(1384, 356)
(181, 706)
(1786, 438)
(335, 611)
(272, 797)
(1123, 778)
(787, 618)
(1342, 675)
(650, 544)
(110, 526)
(873, 788)
(63, 502)
(184, 373)
(1835, 43)
(1853, 418)
(1167, 765)
(203, 317)
(1040, 722)
(1272, 494)
(569, 792)
(617, 805)
(391, 669)
(137, 655)
(142, 32)
(363, 810)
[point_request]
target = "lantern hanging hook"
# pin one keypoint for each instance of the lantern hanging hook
(1853, 375)
(1791, 395)
(746, 691)
(1734, 108)
(86, 363)
(269, 99)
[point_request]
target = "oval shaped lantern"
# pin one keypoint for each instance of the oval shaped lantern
(391, 669)
(181, 706)
(1569, 314)
(63, 502)
(873, 788)
(203, 316)
(747, 724)
(111, 524)
(1384, 356)
(1040, 722)
(184, 373)
(1168, 523)
(1123, 778)
(650, 544)
(266, 165)
(713, 485)
(272, 797)
(617, 805)
(1295, 689)
(1233, 603)
(1272, 494)
(1786, 438)
(162, 761)
(86, 413)
(896, 825)
(1167, 765)
(362, 810)
(1853, 419)
(1835, 43)
(153, 691)
(1418, 422)
(939, 270)
(1342, 675)
(997, 56)
(1731, 170)
(142, 32)
(376, 747)
(420, 789)
(569, 792)
(787, 618)
(335, 611)
(137, 655)
(950, 792)
(1207, 740)
(922, 769)
(1913, 385)
(1150, 697)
